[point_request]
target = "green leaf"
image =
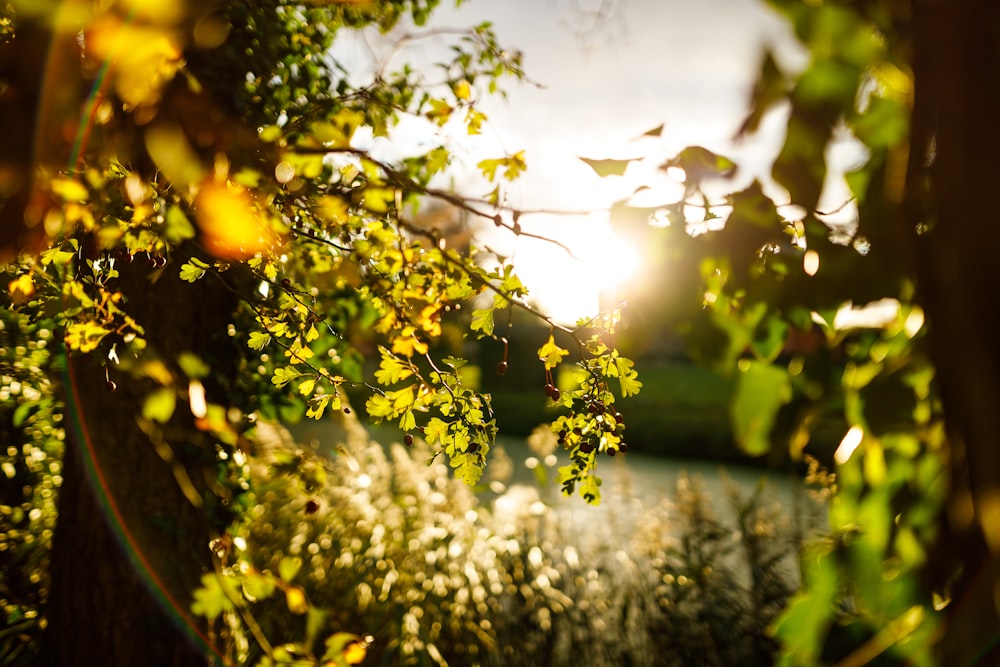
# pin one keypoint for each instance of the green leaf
(627, 377)
(214, 596)
(192, 365)
(159, 405)
(178, 228)
(258, 586)
(191, 272)
(288, 567)
(21, 413)
(590, 489)
(761, 390)
(482, 321)
(258, 340)
(468, 467)
(804, 623)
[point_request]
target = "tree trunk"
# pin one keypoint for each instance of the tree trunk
(956, 150)
(130, 547)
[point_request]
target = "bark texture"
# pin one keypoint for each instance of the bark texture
(124, 566)
(953, 179)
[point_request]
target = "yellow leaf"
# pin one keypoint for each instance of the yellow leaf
(168, 146)
(462, 90)
(21, 288)
(145, 58)
(69, 189)
(355, 653)
(407, 344)
(231, 226)
(295, 598)
(551, 354)
(332, 209)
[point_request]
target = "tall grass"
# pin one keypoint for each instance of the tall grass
(396, 548)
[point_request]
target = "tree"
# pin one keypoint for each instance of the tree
(215, 242)
(248, 201)
(912, 561)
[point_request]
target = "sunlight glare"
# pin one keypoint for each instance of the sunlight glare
(570, 288)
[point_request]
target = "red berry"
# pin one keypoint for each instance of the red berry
(110, 384)
(408, 440)
(501, 368)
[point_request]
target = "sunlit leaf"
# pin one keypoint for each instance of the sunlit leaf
(258, 340)
(761, 390)
(288, 567)
(232, 227)
(159, 405)
(295, 599)
(214, 596)
(482, 321)
(178, 228)
(193, 269)
(550, 354)
(169, 148)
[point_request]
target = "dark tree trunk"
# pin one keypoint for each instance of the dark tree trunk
(130, 547)
(954, 178)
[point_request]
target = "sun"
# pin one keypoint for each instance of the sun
(577, 284)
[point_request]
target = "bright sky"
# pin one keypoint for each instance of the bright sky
(689, 64)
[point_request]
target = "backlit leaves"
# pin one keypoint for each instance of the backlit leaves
(509, 167)
(550, 354)
(193, 270)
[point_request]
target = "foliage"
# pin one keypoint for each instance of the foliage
(300, 219)
(30, 465)
(771, 265)
(225, 146)
(392, 547)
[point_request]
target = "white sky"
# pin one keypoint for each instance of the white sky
(687, 63)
